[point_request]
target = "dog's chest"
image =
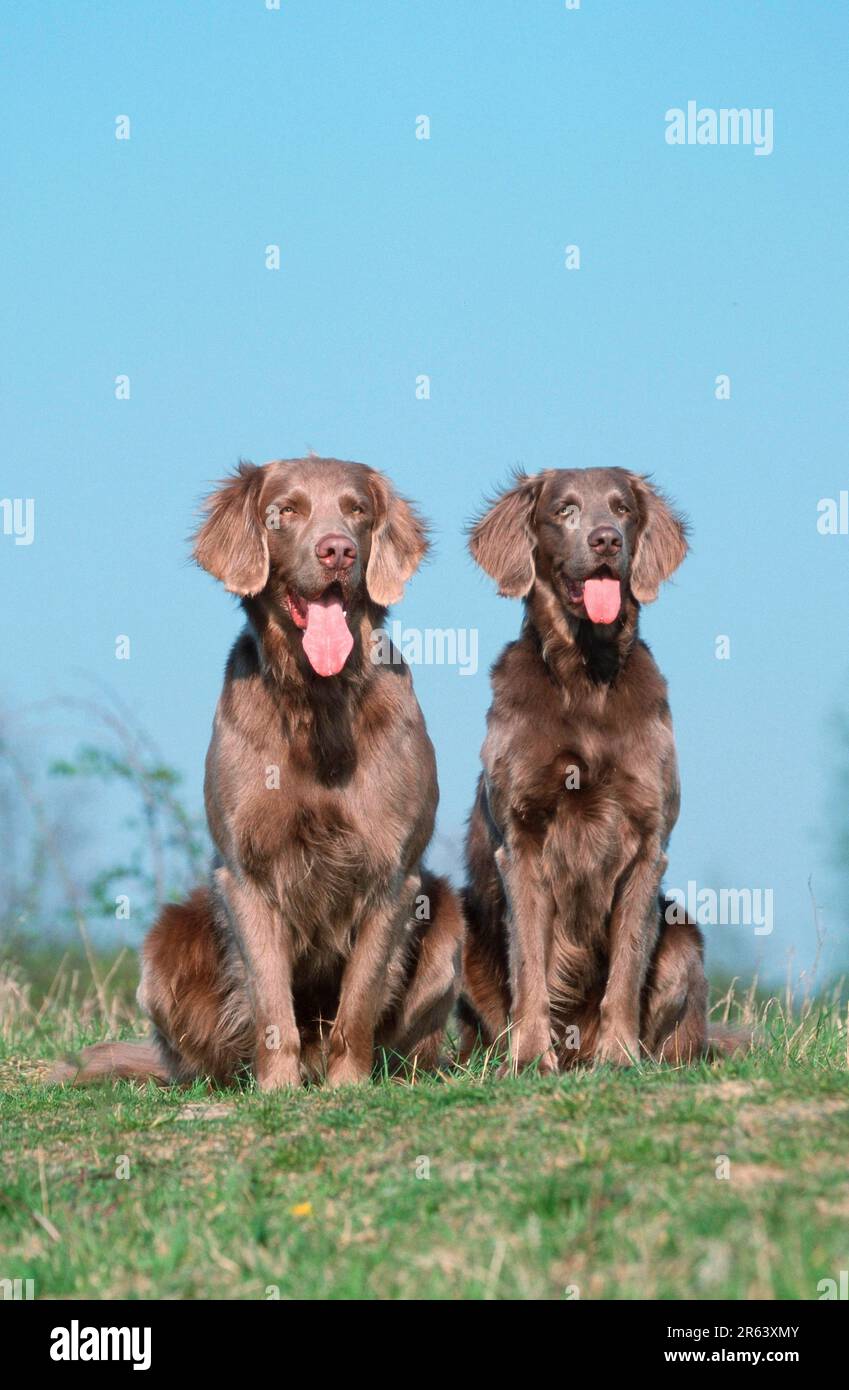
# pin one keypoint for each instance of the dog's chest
(589, 796)
(598, 804)
(338, 837)
(323, 853)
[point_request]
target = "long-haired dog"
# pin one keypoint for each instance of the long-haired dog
(319, 937)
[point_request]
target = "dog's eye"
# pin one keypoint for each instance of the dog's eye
(622, 509)
(357, 510)
(568, 509)
(287, 510)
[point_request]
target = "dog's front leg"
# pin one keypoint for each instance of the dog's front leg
(632, 936)
(361, 998)
(530, 927)
(266, 948)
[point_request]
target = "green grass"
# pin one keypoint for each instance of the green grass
(598, 1181)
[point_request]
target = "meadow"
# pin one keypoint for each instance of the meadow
(722, 1180)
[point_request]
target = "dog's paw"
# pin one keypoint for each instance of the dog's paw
(284, 1075)
(545, 1064)
(344, 1071)
(617, 1052)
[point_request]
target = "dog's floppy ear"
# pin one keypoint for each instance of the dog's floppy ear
(661, 540)
(232, 543)
(398, 542)
(503, 542)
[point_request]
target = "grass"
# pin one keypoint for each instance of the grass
(599, 1184)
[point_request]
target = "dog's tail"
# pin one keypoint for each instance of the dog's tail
(725, 1041)
(117, 1061)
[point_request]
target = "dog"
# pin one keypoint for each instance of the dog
(568, 950)
(319, 939)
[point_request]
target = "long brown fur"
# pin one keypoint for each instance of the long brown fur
(570, 953)
(320, 939)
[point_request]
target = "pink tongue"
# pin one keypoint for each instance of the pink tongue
(327, 640)
(602, 600)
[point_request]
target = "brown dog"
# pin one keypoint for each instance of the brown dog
(320, 937)
(567, 937)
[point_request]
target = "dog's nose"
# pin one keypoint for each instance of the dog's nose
(605, 540)
(336, 552)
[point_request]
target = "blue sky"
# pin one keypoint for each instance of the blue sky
(445, 256)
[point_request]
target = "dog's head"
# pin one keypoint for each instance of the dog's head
(593, 534)
(318, 539)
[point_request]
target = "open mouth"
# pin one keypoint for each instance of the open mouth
(327, 638)
(600, 595)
